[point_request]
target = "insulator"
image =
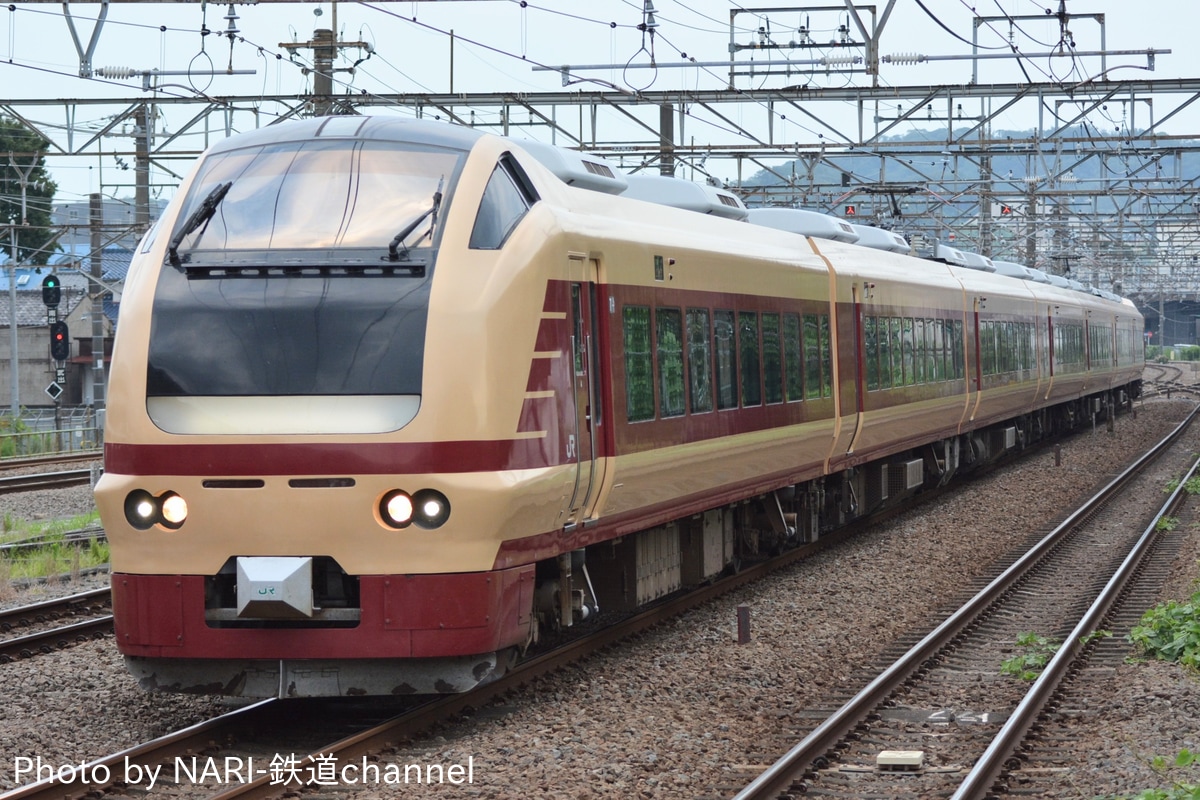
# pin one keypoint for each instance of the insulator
(117, 73)
(838, 61)
(231, 18)
(905, 58)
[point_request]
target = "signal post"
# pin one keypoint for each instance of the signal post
(60, 340)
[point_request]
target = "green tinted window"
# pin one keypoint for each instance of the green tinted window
(700, 360)
(748, 355)
(669, 329)
(723, 336)
(793, 360)
(639, 374)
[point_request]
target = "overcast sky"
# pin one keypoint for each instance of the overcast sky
(498, 42)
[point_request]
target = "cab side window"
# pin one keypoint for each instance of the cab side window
(505, 200)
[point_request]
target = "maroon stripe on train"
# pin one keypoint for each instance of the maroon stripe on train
(342, 458)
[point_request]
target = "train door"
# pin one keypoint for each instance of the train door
(860, 383)
(1049, 349)
(584, 388)
(975, 373)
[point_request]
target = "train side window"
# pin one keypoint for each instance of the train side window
(723, 336)
(939, 348)
(669, 341)
(871, 354)
(910, 374)
(956, 347)
(748, 352)
(700, 365)
(826, 358)
(931, 372)
(883, 339)
(639, 369)
(1006, 340)
(897, 353)
(793, 362)
(919, 351)
(812, 357)
(772, 359)
(506, 198)
(987, 347)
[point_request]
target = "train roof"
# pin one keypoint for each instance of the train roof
(805, 223)
(581, 170)
(977, 261)
(680, 193)
(879, 239)
(416, 131)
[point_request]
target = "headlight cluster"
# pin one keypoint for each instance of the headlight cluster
(426, 509)
(143, 510)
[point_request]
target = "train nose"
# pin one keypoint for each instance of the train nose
(274, 587)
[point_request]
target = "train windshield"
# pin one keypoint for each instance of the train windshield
(312, 194)
(281, 311)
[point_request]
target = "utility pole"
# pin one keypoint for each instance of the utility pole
(985, 205)
(325, 47)
(14, 360)
(96, 292)
(1031, 226)
(666, 139)
(144, 118)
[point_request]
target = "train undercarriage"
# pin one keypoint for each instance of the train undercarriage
(623, 574)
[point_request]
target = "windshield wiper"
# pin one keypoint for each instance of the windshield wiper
(199, 217)
(394, 246)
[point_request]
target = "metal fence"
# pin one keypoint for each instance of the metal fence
(35, 432)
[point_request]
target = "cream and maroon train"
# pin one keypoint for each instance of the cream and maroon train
(391, 397)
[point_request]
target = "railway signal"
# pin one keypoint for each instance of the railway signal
(51, 291)
(60, 341)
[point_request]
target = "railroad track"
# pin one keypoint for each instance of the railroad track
(50, 458)
(79, 538)
(943, 700)
(226, 737)
(45, 480)
(92, 604)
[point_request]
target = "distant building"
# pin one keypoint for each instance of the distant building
(73, 217)
(35, 368)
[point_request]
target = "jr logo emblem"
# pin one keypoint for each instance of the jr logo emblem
(571, 446)
(266, 590)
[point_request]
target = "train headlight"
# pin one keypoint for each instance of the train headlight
(433, 509)
(174, 510)
(140, 509)
(396, 509)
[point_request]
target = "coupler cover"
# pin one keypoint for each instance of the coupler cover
(274, 587)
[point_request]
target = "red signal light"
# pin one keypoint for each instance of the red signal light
(60, 342)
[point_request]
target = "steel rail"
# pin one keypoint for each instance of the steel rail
(990, 765)
(54, 639)
(50, 458)
(83, 536)
(779, 777)
(53, 608)
(184, 742)
(45, 480)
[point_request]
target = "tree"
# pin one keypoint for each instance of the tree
(23, 159)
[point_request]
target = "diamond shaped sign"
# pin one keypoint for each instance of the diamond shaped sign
(54, 390)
